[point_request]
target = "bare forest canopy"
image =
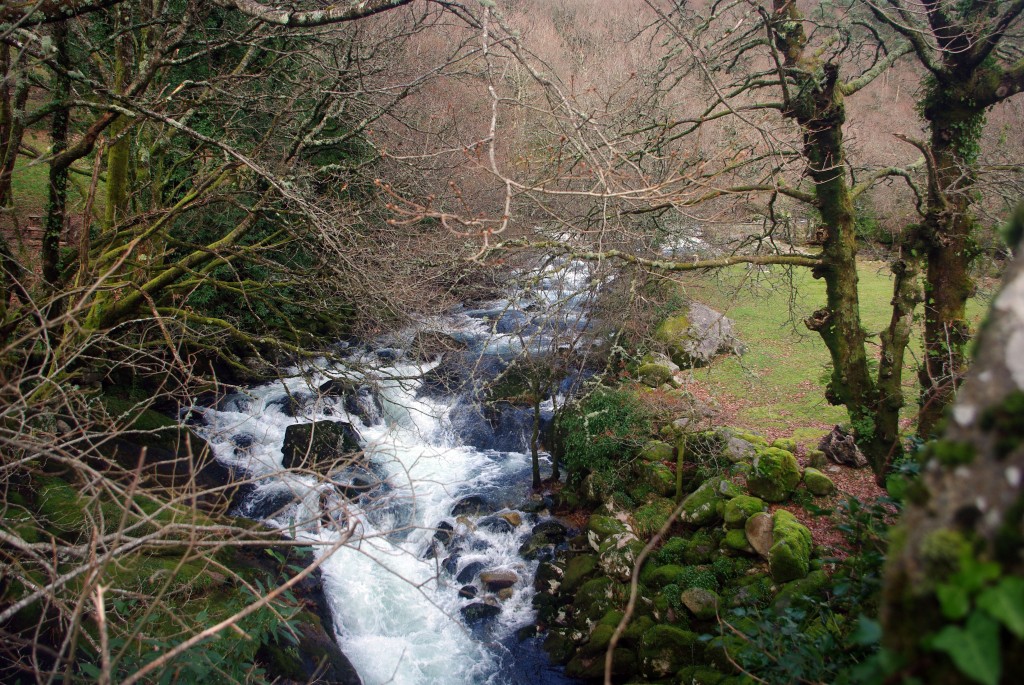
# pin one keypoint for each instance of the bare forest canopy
(194, 193)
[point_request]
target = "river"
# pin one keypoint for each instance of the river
(442, 493)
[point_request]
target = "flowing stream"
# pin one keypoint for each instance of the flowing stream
(440, 494)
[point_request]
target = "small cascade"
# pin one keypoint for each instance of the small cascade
(430, 586)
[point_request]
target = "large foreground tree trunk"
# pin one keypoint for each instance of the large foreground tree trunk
(954, 588)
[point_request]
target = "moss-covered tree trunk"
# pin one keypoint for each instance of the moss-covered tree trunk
(953, 586)
(56, 211)
(815, 100)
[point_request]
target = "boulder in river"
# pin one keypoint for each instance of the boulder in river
(498, 580)
(309, 445)
(478, 612)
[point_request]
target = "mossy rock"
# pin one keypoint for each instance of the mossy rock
(663, 575)
(699, 675)
(753, 591)
(790, 555)
(558, 646)
(703, 546)
(802, 589)
(788, 444)
(774, 474)
(605, 526)
(577, 570)
(655, 375)
(748, 436)
(816, 458)
(635, 631)
(736, 540)
(594, 591)
(600, 636)
(740, 508)
(650, 518)
(592, 667)
(701, 602)
(665, 649)
(659, 478)
(818, 483)
(657, 450)
(618, 555)
(705, 505)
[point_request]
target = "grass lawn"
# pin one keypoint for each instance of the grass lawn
(777, 386)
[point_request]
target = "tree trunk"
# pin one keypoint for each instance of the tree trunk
(961, 532)
(56, 212)
(950, 252)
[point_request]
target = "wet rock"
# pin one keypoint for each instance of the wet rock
(555, 531)
(841, 448)
(498, 580)
(513, 517)
(243, 441)
(308, 445)
(468, 591)
(473, 505)
(445, 533)
(478, 612)
(292, 404)
(495, 524)
(506, 594)
(469, 573)
(451, 563)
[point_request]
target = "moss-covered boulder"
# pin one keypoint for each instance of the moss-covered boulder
(699, 675)
(702, 507)
(740, 508)
(657, 450)
(659, 478)
(810, 588)
(818, 483)
(661, 576)
(604, 526)
(665, 649)
(649, 518)
(654, 375)
(617, 555)
(788, 444)
(774, 474)
(705, 505)
(701, 602)
(591, 667)
(735, 540)
(578, 570)
(790, 555)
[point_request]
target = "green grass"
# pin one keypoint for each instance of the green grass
(30, 185)
(778, 384)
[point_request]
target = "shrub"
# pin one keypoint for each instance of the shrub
(602, 430)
